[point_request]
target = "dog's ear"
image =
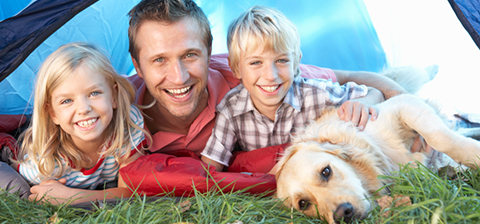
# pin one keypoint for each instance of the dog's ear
(289, 152)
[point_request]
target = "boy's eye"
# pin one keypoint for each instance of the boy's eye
(65, 101)
(255, 63)
(282, 60)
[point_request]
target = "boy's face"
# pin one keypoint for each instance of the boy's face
(268, 76)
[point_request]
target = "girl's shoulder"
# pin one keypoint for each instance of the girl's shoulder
(136, 115)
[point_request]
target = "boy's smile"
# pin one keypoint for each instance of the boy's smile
(267, 75)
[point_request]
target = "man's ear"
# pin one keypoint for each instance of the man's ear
(234, 73)
(114, 95)
(137, 68)
(52, 114)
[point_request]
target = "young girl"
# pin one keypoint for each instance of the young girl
(84, 128)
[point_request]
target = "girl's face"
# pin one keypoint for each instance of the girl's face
(83, 107)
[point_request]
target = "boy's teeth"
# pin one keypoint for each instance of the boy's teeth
(269, 88)
(87, 123)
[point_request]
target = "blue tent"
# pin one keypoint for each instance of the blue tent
(335, 34)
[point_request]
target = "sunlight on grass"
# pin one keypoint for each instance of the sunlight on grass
(434, 199)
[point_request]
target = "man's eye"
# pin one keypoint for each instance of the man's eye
(189, 55)
(159, 60)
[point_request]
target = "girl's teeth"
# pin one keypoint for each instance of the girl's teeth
(88, 123)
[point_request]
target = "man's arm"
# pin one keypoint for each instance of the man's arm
(388, 87)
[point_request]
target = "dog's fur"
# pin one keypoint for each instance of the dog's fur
(331, 168)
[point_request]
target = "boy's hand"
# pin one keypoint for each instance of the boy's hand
(357, 112)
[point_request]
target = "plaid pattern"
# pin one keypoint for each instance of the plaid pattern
(240, 125)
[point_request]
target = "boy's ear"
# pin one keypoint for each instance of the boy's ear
(114, 95)
(234, 73)
(52, 114)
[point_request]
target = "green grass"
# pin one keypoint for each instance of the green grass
(435, 199)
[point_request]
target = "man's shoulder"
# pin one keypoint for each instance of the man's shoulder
(136, 80)
(219, 71)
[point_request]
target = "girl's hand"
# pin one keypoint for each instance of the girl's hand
(53, 191)
(357, 112)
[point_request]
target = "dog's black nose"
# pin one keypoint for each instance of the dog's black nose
(344, 212)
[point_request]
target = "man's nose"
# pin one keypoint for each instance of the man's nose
(178, 72)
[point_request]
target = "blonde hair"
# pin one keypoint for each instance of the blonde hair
(45, 142)
(262, 25)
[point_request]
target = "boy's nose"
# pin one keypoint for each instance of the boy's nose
(271, 72)
(178, 72)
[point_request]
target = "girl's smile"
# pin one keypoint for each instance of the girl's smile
(83, 106)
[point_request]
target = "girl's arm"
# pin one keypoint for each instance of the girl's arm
(55, 192)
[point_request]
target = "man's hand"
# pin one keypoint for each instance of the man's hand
(358, 113)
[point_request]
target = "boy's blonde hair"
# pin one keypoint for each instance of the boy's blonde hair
(262, 25)
(45, 142)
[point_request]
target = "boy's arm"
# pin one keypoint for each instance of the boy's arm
(359, 110)
(221, 142)
(218, 166)
(388, 87)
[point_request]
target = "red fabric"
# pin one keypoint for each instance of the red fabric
(159, 174)
(10, 122)
(8, 140)
(257, 161)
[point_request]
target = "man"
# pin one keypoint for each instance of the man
(170, 45)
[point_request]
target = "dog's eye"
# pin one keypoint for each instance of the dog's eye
(326, 172)
(303, 204)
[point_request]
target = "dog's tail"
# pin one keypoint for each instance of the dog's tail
(411, 78)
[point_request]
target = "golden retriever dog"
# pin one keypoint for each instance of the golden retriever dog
(331, 168)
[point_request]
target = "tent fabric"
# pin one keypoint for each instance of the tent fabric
(22, 33)
(468, 12)
(329, 38)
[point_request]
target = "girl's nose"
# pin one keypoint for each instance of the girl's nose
(84, 106)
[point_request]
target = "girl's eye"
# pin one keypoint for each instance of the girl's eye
(65, 101)
(96, 93)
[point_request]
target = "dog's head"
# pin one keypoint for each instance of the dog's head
(327, 180)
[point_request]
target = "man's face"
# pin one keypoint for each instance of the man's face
(173, 61)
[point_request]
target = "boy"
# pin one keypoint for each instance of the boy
(273, 101)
